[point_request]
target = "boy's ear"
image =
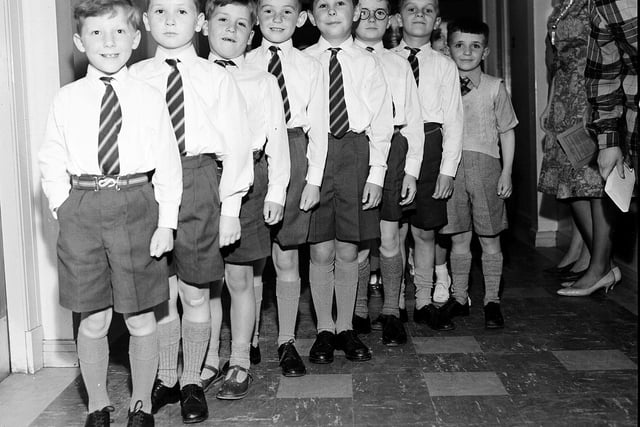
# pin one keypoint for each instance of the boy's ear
(302, 18)
(145, 20)
(485, 53)
(200, 22)
(77, 40)
(312, 19)
(136, 40)
(251, 34)
(398, 17)
(356, 13)
(205, 28)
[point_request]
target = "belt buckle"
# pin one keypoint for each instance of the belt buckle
(106, 182)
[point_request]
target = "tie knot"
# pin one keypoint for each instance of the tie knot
(173, 63)
(334, 51)
(369, 48)
(274, 49)
(413, 50)
(224, 62)
(106, 80)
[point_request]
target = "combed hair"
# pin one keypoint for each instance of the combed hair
(401, 3)
(92, 8)
(469, 26)
(251, 4)
(198, 4)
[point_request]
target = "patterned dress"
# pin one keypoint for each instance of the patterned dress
(566, 106)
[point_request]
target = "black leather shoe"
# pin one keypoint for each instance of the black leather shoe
(453, 308)
(138, 418)
(571, 276)
(231, 388)
(162, 395)
(99, 418)
(214, 379)
(430, 315)
(193, 405)
(361, 325)
(353, 348)
(492, 316)
(254, 354)
(322, 349)
(404, 317)
(393, 333)
(290, 361)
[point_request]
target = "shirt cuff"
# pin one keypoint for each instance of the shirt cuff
(412, 167)
(231, 206)
(314, 175)
(168, 215)
(376, 175)
(448, 167)
(276, 194)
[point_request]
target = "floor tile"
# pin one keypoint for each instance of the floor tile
(464, 384)
(435, 345)
(594, 360)
(329, 385)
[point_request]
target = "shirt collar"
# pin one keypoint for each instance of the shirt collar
(423, 48)
(94, 74)
(323, 44)
(378, 47)
(187, 55)
(285, 47)
(475, 76)
(239, 61)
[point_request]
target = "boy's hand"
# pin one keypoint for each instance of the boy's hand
(272, 212)
(161, 242)
(444, 187)
(229, 230)
(409, 188)
(505, 187)
(608, 159)
(310, 197)
(371, 196)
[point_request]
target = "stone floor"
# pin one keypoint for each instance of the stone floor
(559, 361)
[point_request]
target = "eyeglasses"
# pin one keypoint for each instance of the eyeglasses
(379, 14)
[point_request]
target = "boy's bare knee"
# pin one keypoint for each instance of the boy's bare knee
(96, 325)
(196, 301)
(141, 324)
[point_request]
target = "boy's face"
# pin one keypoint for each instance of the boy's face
(107, 40)
(372, 29)
(334, 18)
(279, 19)
(173, 23)
(468, 50)
(419, 17)
(229, 30)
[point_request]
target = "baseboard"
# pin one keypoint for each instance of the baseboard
(59, 353)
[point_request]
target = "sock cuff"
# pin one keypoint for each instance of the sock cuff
(288, 289)
(169, 332)
(92, 350)
(144, 347)
(461, 263)
(320, 274)
(196, 331)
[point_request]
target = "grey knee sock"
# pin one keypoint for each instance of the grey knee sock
(94, 361)
(460, 270)
(362, 302)
(346, 287)
(143, 357)
(391, 270)
(423, 280)
(257, 292)
(288, 297)
(492, 272)
(240, 354)
(322, 283)
(168, 348)
(195, 339)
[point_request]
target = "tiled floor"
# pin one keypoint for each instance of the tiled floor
(559, 361)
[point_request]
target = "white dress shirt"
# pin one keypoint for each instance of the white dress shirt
(305, 89)
(367, 98)
(406, 105)
(214, 112)
(146, 140)
(439, 91)
(266, 122)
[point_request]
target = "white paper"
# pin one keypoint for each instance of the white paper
(619, 189)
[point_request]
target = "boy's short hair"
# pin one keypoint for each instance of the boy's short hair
(401, 3)
(197, 3)
(469, 26)
(313, 2)
(92, 8)
(252, 5)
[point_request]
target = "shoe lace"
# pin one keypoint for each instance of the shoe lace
(101, 417)
(137, 417)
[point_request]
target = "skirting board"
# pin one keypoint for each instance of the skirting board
(59, 353)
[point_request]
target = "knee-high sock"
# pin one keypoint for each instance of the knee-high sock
(322, 283)
(460, 270)
(240, 354)
(423, 280)
(362, 302)
(94, 361)
(346, 287)
(143, 357)
(492, 272)
(391, 270)
(257, 292)
(288, 297)
(195, 339)
(168, 348)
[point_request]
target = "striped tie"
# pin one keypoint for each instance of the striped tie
(369, 48)
(275, 68)
(110, 124)
(338, 117)
(175, 102)
(224, 63)
(464, 85)
(413, 60)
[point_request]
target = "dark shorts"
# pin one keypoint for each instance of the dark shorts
(339, 214)
(475, 204)
(390, 209)
(103, 251)
(294, 227)
(255, 238)
(426, 212)
(196, 253)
